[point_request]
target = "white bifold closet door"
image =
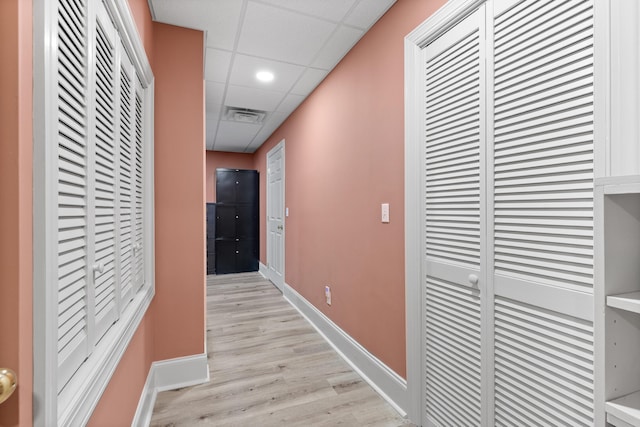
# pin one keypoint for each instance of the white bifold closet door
(455, 225)
(509, 201)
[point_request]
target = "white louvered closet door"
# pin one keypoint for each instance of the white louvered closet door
(126, 185)
(138, 200)
(543, 212)
(455, 234)
(72, 188)
(104, 159)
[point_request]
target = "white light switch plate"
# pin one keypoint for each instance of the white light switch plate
(385, 212)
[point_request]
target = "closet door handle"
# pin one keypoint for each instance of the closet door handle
(98, 268)
(473, 279)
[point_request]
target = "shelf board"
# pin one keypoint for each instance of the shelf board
(626, 408)
(629, 301)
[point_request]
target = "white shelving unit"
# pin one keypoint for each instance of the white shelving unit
(624, 411)
(629, 301)
(617, 223)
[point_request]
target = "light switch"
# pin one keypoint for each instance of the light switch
(286, 211)
(385, 212)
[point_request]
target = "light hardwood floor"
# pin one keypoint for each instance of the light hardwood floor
(269, 367)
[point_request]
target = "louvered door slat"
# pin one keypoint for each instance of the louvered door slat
(524, 123)
(72, 190)
(125, 183)
(138, 190)
(453, 226)
(452, 347)
(543, 358)
(543, 209)
(105, 171)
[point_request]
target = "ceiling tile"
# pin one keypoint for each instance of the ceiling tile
(309, 80)
(334, 10)
(367, 12)
(217, 65)
(214, 96)
(274, 121)
(244, 69)
(340, 43)
(212, 119)
(290, 103)
(230, 148)
(258, 99)
(235, 134)
(220, 18)
(281, 35)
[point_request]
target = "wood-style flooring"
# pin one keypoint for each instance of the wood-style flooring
(269, 367)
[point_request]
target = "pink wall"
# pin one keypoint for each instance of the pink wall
(219, 159)
(16, 157)
(344, 157)
(119, 402)
(180, 192)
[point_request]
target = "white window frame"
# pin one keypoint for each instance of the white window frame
(88, 384)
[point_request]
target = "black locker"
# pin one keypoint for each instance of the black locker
(237, 196)
(211, 238)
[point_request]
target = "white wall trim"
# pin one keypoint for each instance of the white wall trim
(169, 375)
(413, 214)
(444, 18)
(391, 386)
(124, 22)
(263, 270)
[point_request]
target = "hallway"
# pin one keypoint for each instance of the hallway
(269, 367)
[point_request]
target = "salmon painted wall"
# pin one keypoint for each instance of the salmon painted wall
(16, 159)
(344, 157)
(179, 304)
(219, 159)
(127, 382)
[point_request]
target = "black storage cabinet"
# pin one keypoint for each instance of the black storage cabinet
(236, 227)
(211, 238)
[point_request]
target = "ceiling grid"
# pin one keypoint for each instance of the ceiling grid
(299, 41)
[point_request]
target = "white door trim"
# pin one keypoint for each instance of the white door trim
(278, 281)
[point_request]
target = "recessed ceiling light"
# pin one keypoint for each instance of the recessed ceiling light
(264, 76)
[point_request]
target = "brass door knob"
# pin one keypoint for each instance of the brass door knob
(8, 382)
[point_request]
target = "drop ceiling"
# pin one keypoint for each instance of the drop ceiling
(299, 41)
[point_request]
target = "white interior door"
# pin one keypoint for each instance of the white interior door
(542, 213)
(454, 225)
(275, 215)
(508, 229)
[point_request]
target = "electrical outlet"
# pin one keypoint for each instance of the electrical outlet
(327, 294)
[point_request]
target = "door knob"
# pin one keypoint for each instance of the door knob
(473, 279)
(8, 382)
(98, 268)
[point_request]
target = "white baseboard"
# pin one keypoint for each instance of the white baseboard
(168, 375)
(262, 269)
(391, 386)
(266, 273)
